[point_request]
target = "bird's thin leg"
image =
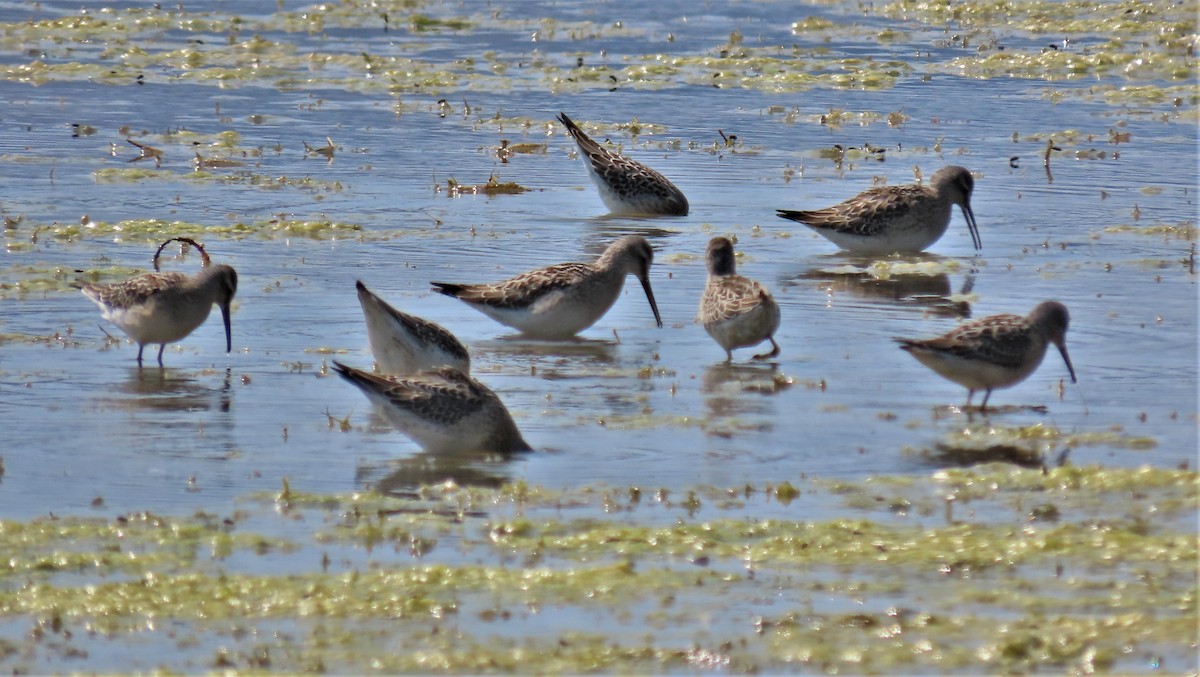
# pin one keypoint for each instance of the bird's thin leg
(774, 352)
(986, 395)
(141, 346)
(161, 347)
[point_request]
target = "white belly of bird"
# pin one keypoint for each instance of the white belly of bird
(977, 374)
(893, 240)
(398, 352)
(155, 323)
(748, 329)
(559, 314)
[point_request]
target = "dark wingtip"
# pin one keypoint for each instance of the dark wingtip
(572, 128)
(447, 288)
(358, 284)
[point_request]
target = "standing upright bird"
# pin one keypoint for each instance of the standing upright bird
(405, 344)
(165, 307)
(443, 410)
(559, 301)
(626, 186)
(997, 351)
(890, 219)
(736, 311)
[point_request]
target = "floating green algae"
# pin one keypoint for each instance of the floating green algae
(254, 180)
(887, 269)
(1181, 231)
(1054, 64)
(155, 230)
(1154, 43)
(134, 543)
(491, 188)
(22, 280)
(1088, 481)
(857, 589)
(1032, 446)
(812, 23)
(1168, 20)
(1154, 39)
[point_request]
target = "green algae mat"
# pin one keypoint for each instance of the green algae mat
(989, 569)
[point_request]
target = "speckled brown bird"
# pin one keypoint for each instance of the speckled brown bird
(559, 301)
(406, 344)
(891, 219)
(626, 186)
(166, 307)
(997, 351)
(443, 410)
(736, 311)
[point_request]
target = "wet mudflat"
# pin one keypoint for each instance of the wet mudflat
(810, 513)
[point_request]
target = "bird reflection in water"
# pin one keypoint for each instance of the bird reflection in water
(931, 292)
(578, 350)
(735, 392)
(174, 390)
(405, 477)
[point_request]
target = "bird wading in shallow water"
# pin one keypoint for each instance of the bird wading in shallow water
(895, 219)
(997, 351)
(626, 186)
(405, 344)
(736, 311)
(166, 307)
(559, 301)
(443, 410)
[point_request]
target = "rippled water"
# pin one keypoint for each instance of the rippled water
(655, 406)
(626, 404)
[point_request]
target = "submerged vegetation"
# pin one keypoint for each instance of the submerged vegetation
(1134, 39)
(1080, 561)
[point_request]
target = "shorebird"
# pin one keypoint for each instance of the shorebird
(165, 307)
(626, 186)
(443, 410)
(559, 301)
(736, 311)
(997, 351)
(890, 219)
(405, 344)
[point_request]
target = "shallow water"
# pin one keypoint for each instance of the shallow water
(1109, 230)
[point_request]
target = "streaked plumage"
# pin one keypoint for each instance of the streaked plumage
(736, 311)
(443, 410)
(405, 344)
(166, 307)
(890, 219)
(997, 351)
(557, 302)
(626, 186)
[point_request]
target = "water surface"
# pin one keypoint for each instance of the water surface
(1108, 229)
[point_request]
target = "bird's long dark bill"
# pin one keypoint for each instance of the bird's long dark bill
(969, 215)
(1062, 348)
(228, 333)
(650, 295)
